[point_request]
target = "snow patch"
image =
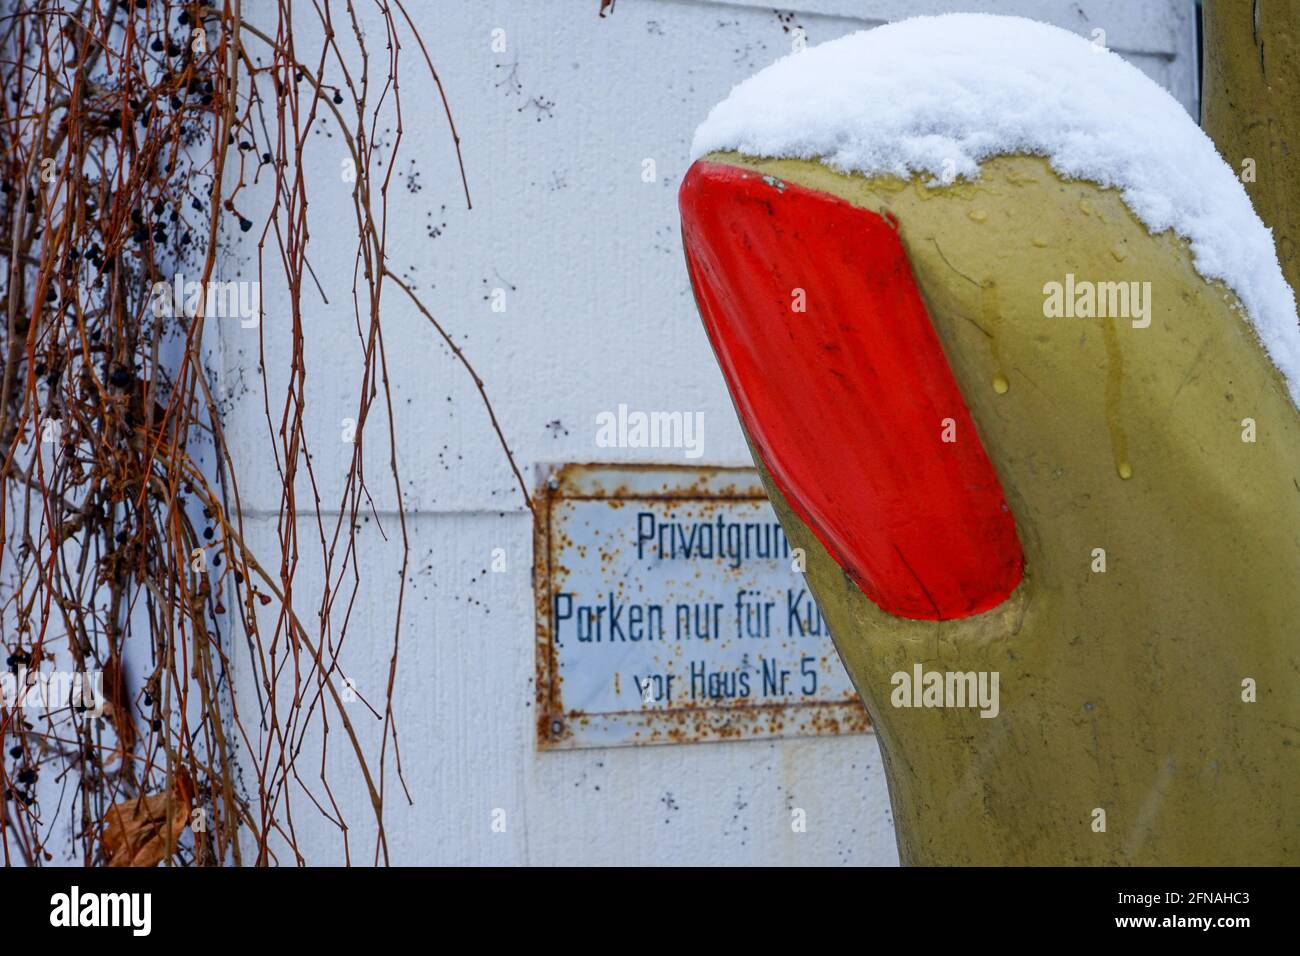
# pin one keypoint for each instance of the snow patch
(941, 94)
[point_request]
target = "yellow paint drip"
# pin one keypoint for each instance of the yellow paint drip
(991, 314)
(1114, 390)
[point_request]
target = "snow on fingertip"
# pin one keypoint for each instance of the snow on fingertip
(939, 95)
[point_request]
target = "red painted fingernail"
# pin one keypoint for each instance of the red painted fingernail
(848, 401)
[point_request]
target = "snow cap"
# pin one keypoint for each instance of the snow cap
(938, 95)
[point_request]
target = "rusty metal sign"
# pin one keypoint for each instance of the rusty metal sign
(670, 609)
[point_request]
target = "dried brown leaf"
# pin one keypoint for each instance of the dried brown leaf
(137, 833)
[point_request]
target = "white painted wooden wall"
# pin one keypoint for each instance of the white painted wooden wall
(555, 131)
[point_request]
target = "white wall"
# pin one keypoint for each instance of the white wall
(599, 312)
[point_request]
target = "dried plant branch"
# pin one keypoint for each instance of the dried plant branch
(132, 136)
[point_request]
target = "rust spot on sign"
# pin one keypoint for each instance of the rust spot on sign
(669, 610)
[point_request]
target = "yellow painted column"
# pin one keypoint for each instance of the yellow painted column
(1251, 109)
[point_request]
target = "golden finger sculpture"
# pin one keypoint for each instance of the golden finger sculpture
(1018, 365)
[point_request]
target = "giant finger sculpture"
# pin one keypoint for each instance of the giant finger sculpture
(1020, 370)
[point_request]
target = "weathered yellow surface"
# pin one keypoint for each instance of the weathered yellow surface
(1251, 109)
(1119, 690)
